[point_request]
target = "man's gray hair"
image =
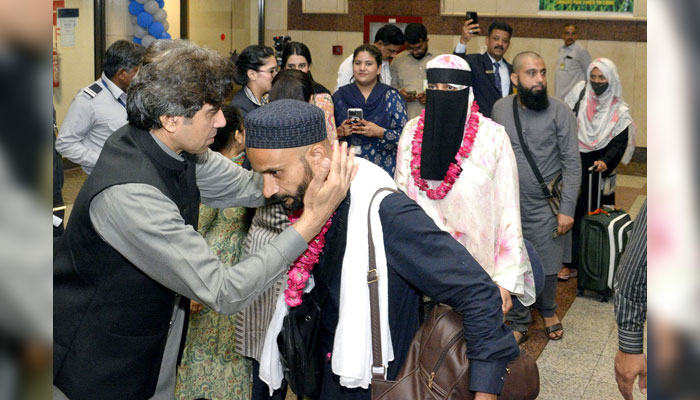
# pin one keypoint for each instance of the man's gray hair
(518, 60)
(178, 82)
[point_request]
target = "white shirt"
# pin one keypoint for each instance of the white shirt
(89, 122)
(504, 74)
(572, 64)
(345, 73)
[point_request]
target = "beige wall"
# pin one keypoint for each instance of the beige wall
(76, 63)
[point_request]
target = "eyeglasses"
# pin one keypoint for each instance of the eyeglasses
(271, 71)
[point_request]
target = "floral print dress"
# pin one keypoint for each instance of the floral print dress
(210, 367)
(380, 151)
(482, 211)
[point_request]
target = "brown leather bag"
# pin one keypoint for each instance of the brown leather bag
(436, 365)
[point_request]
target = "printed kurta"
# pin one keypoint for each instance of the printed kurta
(210, 366)
(482, 210)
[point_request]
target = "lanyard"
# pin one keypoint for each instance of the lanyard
(110, 92)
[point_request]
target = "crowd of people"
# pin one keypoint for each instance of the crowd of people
(207, 215)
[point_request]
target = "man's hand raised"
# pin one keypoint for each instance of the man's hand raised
(327, 190)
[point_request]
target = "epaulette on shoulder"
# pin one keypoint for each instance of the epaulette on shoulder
(92, 90)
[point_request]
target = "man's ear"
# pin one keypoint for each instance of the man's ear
(379, 44)
(514, 78)
(169, 123)
(316, 153)
(120, 74)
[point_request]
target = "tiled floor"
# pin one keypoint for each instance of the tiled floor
(581, 365)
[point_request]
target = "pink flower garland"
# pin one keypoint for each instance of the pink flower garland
(454, 169)
(300, 270)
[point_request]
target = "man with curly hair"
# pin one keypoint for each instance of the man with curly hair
(130, 258)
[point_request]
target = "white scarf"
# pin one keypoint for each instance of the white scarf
(601, 118)
(351, 358)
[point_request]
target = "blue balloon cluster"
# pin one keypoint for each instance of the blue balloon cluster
(149, 21)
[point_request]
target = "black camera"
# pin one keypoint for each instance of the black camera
(280, 42)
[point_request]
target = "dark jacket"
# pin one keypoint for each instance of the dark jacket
(243, 103)
(485, 91)
(110, 319)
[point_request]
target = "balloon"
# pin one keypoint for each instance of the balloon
(166, 25)
(147, 40)
(137, 40)
(139, 31)
(160, 15)
(156, 29)
(144, 19)
(135, 8)
(161, 3)
(165, 35)
(133, 19)
(151, 7)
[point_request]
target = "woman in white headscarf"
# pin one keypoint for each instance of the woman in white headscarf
(606, 137)
(460, 168)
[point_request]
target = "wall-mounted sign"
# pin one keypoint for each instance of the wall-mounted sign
(607, 6)
(67, 22)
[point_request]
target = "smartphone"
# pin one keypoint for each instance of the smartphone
(355, 114)
(411, 92)
(473, 16)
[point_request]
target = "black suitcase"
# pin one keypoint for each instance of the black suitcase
(604, 235)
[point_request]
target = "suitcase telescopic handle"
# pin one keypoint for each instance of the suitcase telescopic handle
(591, 171)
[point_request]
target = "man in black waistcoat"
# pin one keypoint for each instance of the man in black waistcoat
(131, 258)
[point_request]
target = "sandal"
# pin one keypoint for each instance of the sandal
(523, 338)
(552, 329)
(573, 273)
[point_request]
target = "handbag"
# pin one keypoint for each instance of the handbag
(552, 190)
(298, 344)
(298, 341)
(436, 365)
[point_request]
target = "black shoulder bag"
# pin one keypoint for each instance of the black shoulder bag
(552, 190)
(298, 342)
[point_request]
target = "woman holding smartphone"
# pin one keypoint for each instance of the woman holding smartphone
(376, 134)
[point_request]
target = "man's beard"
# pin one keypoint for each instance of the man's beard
(298, 197)
(421, 55)
(535, 101)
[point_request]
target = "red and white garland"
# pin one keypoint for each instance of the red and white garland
(454, 169)
(300, 270)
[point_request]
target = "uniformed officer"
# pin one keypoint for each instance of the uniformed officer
(99, 109)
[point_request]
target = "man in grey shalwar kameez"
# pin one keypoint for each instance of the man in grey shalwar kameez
(549, 130)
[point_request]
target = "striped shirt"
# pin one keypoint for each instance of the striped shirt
(252, 322)
(631, 289)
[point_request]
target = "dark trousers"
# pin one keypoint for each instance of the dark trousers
(260, 389)
(520, 316)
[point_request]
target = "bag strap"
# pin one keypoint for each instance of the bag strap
(526, 150)
(578, 102)
(373, 283)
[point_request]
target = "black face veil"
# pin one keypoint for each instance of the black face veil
(445, 115)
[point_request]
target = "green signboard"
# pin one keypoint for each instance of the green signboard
(612, 6)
